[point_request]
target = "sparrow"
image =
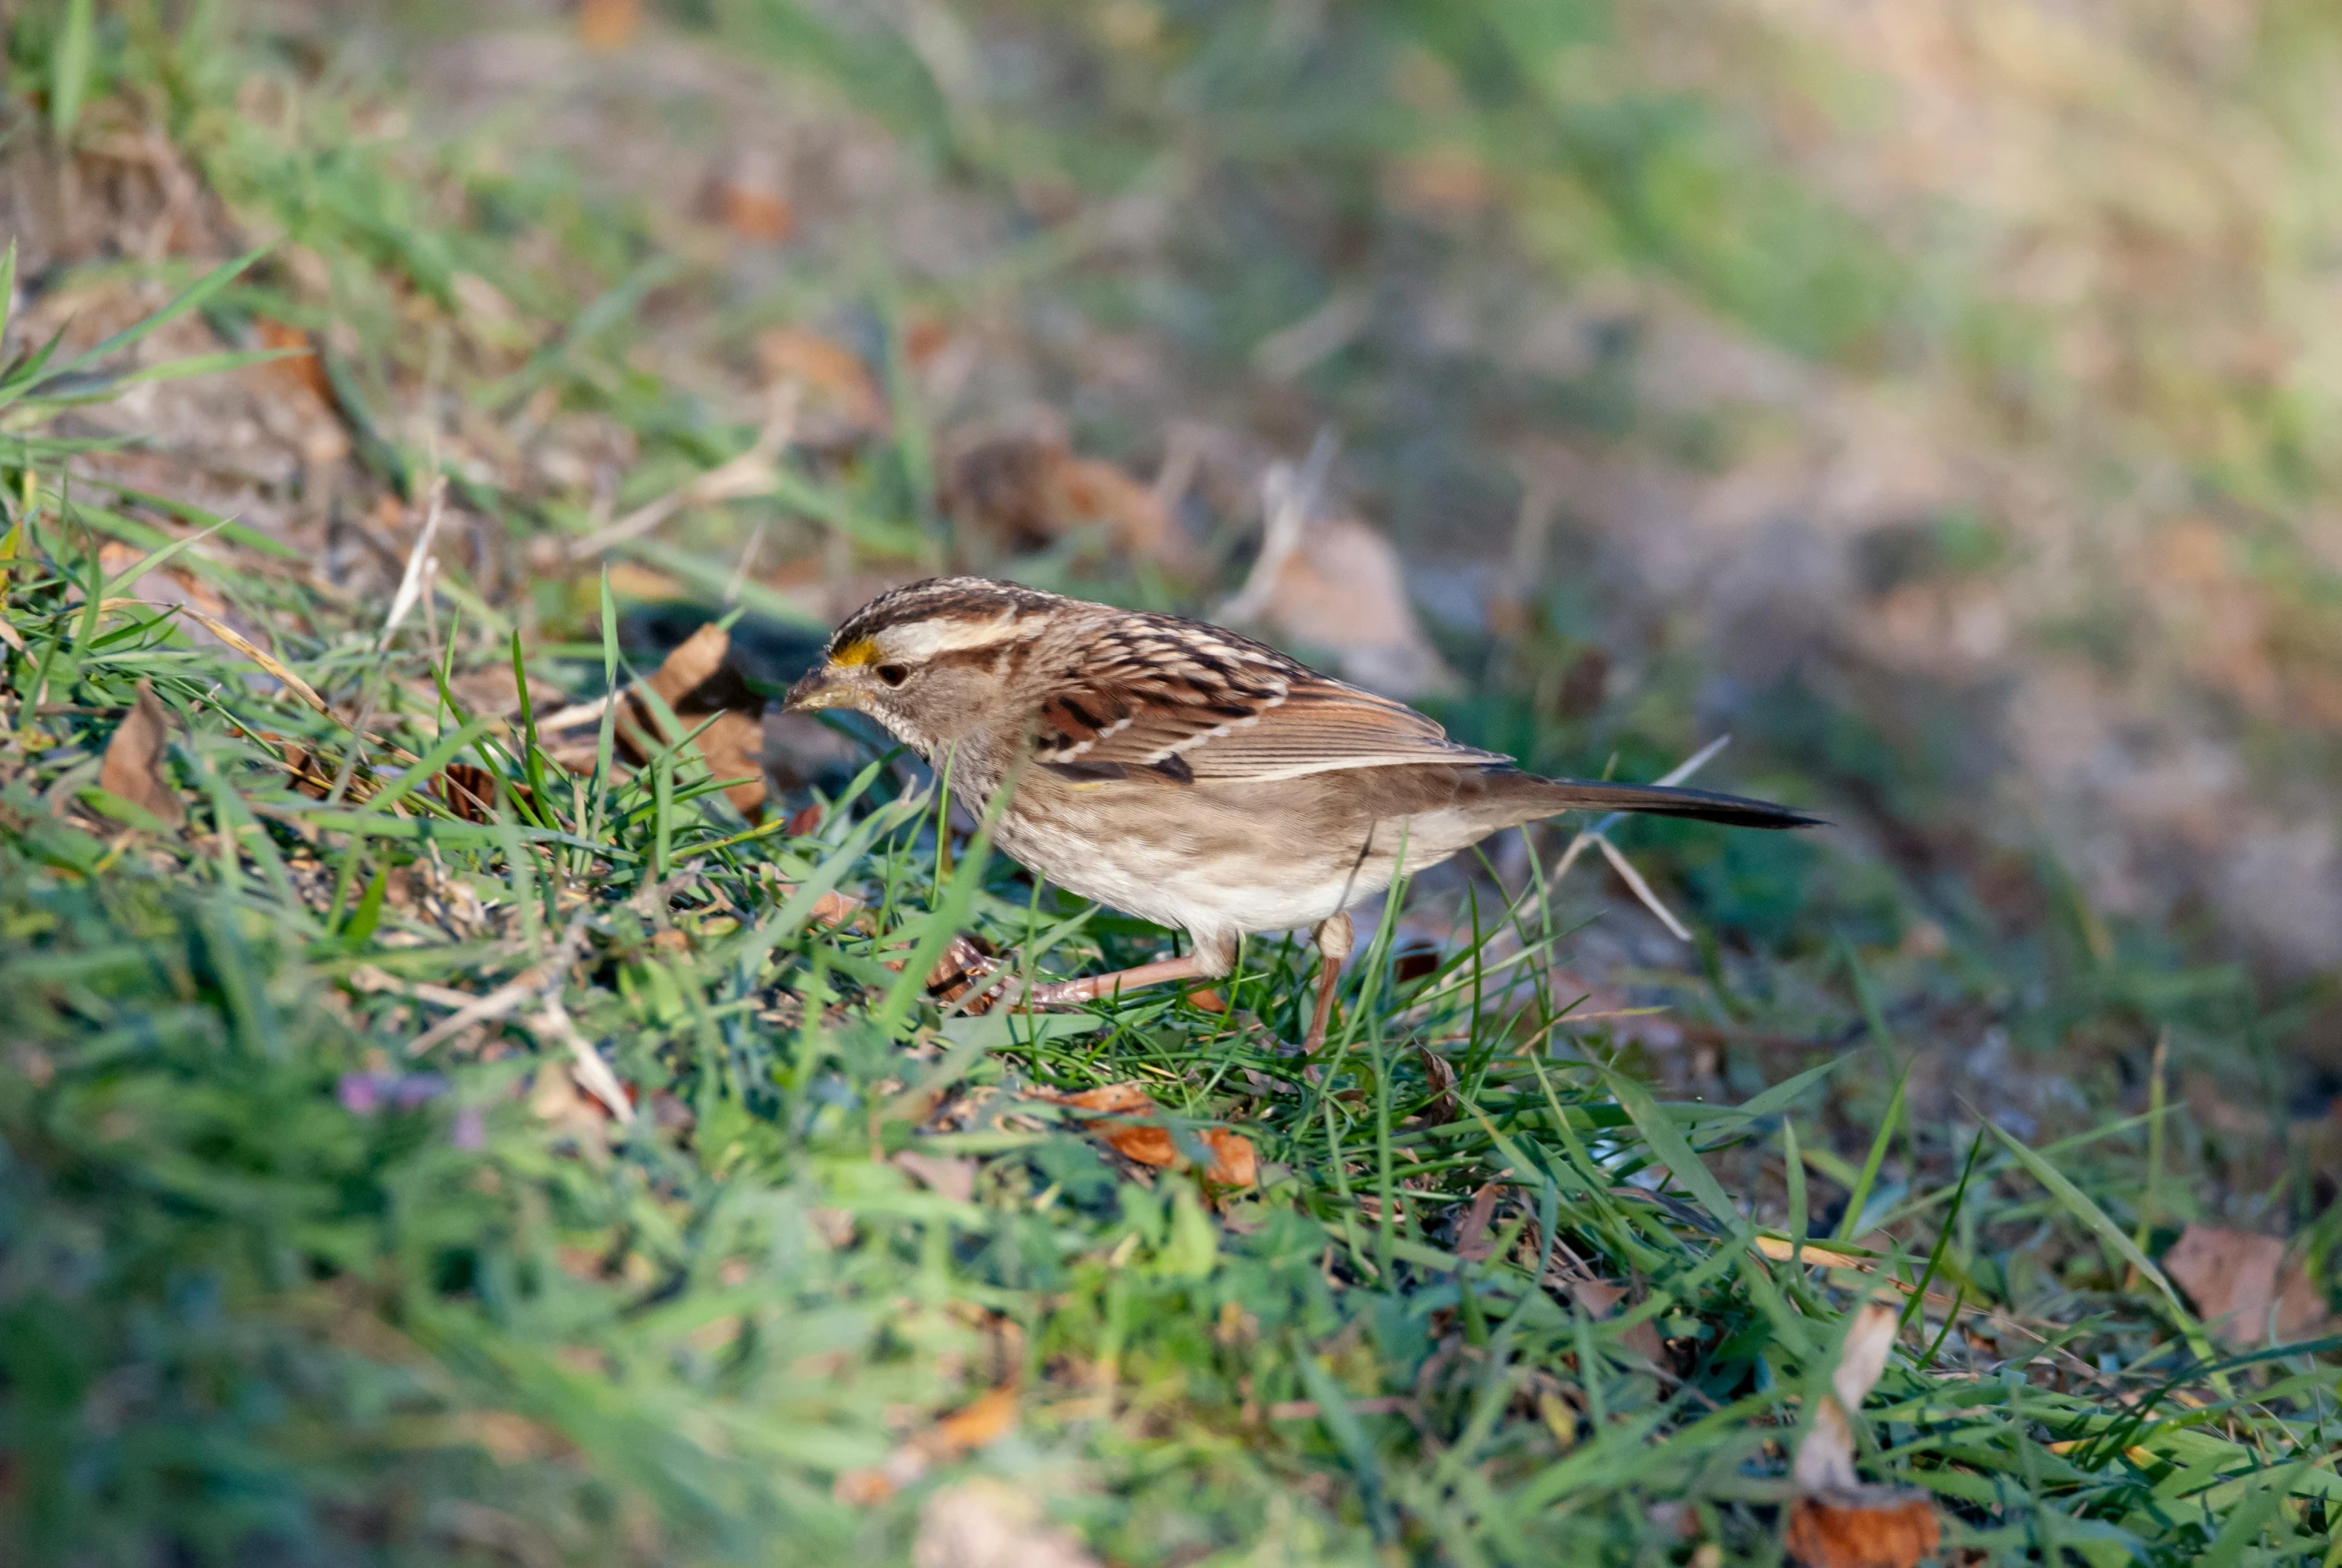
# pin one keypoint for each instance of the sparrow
(1184, 774)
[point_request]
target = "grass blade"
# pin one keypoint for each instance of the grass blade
(195, 295)
(2084, 1209)
(1673, 1149)
(69, 67)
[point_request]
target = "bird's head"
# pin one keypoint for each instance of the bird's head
(933, 662)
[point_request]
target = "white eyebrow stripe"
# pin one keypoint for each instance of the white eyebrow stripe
(923, 639)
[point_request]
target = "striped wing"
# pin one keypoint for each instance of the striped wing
(1185, 701)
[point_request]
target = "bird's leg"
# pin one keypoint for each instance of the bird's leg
(1068, 993)
(1333, 946)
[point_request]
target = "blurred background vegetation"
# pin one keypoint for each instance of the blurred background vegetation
(1941, 398)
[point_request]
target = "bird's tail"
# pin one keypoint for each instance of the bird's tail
(1660, 800)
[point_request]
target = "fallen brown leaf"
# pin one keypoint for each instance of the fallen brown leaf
(310, 775)
(2243, 1286)
(1836, 1521)
(1893, 1532)
(607, 26)
(984, 1420)
(1471, 1233)
(1142, 1142)
(133, 768)
(693, 682)
(1443, 1106)
(1334, 585)
(745, 195)
(835, 379)
(835, 909)
(469, 790)
(1116, 1108)
(1025, 492)
(1599, 1298)
(1234, 1159)
(303, 368)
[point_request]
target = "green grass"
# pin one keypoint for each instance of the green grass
(278, 1287)
(275, 1278)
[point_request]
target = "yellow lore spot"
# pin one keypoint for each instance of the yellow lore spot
(860, 651)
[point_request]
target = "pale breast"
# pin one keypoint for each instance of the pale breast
(1226, 859)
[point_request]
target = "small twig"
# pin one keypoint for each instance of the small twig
(1594, 837)
(1642, 889)
(503, 1001)
(538, 979)
(553, 1021)
(576, 714)
(411, 583)
(347, 772)
(739, 577)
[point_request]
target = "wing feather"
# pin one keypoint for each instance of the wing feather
(1190, 702)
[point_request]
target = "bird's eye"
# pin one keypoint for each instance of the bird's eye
(892, 674)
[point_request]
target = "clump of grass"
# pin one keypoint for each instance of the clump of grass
(278, 1280)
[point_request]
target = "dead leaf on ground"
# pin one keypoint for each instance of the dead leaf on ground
(311, 774)
(984, 1420)
(1472, 1242)
(988, 1524)
(1335, 586)
(834, 909)
(746, 195)
(1837, 1520)
(837, 384)
(133, 768)
(1599, 1298)
(607, 26)
(1443, 1106)
(302, 367)
(471, 791)
(2243, 1286)
(694, 681)
(1116, 1109)
(1889, 1534)
(1025, 492)
(1235, 1162)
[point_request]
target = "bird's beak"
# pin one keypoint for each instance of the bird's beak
(819, 689)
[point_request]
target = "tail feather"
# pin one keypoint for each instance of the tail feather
(1660, 800)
